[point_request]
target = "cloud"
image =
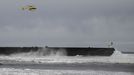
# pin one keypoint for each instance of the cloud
(64, 21)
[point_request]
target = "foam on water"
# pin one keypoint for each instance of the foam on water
(12, 71)
(118, 54)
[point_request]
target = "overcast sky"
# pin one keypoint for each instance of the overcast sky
(66, 22)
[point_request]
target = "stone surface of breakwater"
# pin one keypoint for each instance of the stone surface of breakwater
(68, 51)
(11, 50)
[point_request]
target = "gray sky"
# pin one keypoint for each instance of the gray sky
(67, 22)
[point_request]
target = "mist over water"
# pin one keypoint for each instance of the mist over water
(42, 52)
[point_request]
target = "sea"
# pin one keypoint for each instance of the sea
(35, 63)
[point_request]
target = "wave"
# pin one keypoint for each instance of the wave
(45, 55)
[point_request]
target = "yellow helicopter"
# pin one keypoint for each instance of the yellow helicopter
(29, 8)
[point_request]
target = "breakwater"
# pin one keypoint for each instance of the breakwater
(67, 51)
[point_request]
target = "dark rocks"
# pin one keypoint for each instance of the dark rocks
(11, 50)
(69, 51)
(74, 51)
